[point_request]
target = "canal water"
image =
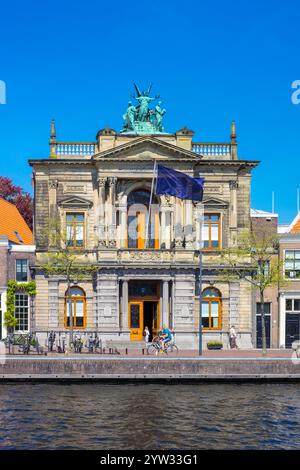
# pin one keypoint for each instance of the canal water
(149, 416)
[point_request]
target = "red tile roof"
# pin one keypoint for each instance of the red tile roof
(12, 224)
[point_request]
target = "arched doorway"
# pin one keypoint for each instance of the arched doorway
(137, 220)
(78, 301)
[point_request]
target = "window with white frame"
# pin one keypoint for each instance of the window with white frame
(292, 264)
(22, 311)
(22, 270)
(292, 305)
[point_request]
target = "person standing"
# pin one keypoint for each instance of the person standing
(232, 337)
(146, 334)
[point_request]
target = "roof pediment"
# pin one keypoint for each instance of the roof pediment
(214, 202)
(146, 148)
(75, 202)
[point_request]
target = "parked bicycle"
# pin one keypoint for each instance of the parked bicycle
(93, 343)
(155, 347)
(77, 344)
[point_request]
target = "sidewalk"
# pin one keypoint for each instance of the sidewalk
(230, 354)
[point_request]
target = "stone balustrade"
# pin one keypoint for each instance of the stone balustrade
(211, 149)
(74, 149)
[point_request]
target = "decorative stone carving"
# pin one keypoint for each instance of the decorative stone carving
(233, 184)
(101, 182)
(111, 180)
(178, 243)
(74, 188)
(53, 184)
(213, 189)
(145, 256)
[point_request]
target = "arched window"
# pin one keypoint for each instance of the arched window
(137, 220)
(211, 309)
(77, 299)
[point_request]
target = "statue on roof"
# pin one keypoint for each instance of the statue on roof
(141, 119)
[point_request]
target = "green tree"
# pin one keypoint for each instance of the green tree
(255, 258)
(63, 260)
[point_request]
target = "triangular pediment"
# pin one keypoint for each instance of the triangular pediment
(146, 148)
(214, 202)
(75, 202)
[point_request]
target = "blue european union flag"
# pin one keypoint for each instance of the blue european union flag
(175, 183)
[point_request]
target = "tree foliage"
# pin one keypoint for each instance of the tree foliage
(255, 259)
(17, 196)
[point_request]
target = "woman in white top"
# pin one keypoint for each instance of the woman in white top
(146, 334)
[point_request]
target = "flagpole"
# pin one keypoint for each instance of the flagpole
(150, 204)
(200, 300)
(200, 284)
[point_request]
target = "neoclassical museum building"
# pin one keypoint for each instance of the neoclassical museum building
(101, 191)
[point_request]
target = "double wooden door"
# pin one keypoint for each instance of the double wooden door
(136, 318)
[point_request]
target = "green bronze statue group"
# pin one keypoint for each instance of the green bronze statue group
(141, 119)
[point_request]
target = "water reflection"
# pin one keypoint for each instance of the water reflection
(132, 416)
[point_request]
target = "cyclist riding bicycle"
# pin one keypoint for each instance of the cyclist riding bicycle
(165, 337)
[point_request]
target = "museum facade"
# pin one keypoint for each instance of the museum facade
(147, 265)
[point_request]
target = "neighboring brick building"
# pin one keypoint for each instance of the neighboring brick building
(17, 255)
(266, 223)
(290, 294)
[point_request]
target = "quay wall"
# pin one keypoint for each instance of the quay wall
(87, 368)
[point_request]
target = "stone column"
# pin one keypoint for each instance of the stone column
(234, 295)
(125, 305)
(199, 220)
(53, 304)
(233, 185)
(165, 304)
(53, 184)
(165, 221)
(123, 225)
(178, 224)
(101, 211)
(111, 207)
(188, 229)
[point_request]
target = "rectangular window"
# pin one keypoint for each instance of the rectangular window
(211, 232)
(205, 314)
(22, 312)
(292, 305)
(75, 230)
(78, 313)
(22, 270)
(292, 264)
(267, 308)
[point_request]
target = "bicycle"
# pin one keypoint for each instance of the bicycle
(155, 347)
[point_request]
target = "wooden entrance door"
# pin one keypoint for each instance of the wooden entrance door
(155, 319)
(135, 321)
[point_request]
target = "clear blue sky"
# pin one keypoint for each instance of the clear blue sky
(210, 62)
